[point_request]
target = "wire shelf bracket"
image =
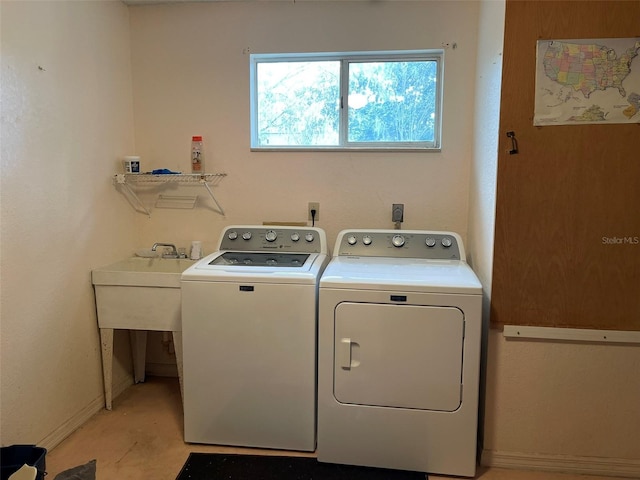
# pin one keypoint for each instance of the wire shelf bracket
(205, 179)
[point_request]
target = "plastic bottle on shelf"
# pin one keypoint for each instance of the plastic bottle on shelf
(197, 157)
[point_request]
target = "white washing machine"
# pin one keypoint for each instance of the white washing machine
(249, 323)
(399, 353)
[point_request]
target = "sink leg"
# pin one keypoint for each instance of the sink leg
(177, 344)
(106, 342)
(138, 340)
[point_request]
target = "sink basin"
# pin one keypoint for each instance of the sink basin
(142, 272)
(140, 293)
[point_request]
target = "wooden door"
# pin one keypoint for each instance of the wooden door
(569, 189)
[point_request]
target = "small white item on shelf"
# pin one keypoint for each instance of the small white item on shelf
(131, 164)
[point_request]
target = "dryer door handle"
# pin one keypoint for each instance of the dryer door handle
(345, 353)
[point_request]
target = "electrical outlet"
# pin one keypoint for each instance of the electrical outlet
(397, 212)
(314, 206)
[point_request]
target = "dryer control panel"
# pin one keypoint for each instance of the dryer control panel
(400, 244)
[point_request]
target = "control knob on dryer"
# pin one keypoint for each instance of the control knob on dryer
(270, 236)
(397, 241)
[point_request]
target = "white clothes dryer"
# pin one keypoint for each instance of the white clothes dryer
(399, 353)
(249, 323)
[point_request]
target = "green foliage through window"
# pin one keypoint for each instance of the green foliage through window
(384, 100)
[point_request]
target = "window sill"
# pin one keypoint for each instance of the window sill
(348, 149)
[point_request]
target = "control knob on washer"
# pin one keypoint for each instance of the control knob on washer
(430, 242)
(446, 242)
(352, 240)
(270, 236)
(232, 235)
(295, 236)
(366, 240)
(246, 236)
(309, 237)
(397, 240)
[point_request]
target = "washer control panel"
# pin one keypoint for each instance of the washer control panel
(400, 244)
(269, 238)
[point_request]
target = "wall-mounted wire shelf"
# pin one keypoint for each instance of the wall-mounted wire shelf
(204, 179)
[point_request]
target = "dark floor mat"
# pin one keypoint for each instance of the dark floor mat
(213, 466)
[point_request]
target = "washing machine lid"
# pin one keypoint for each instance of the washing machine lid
(258, 267)
(401, 274)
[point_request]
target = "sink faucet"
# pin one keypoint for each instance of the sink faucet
(174, 254)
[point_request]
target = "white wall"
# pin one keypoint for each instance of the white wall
(191, 77)
(67, 116)
(563, 406)
(482, 186)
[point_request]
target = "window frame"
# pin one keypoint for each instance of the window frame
(345, 59)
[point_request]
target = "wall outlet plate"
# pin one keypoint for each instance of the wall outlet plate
(397, 212)
(314, 206)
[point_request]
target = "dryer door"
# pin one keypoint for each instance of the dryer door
(407, 356)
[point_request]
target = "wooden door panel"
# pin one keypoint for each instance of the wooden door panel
(567, 189)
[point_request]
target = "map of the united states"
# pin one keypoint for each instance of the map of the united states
(582, 81)
(588, 68)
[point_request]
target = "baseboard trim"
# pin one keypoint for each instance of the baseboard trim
(161, 369)
(75, 422)
(612, 467)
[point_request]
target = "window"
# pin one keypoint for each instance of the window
(383, 100)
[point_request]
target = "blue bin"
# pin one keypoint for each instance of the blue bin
(14, 457)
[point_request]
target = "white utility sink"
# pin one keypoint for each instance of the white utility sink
(138, 294)
(142, 272)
